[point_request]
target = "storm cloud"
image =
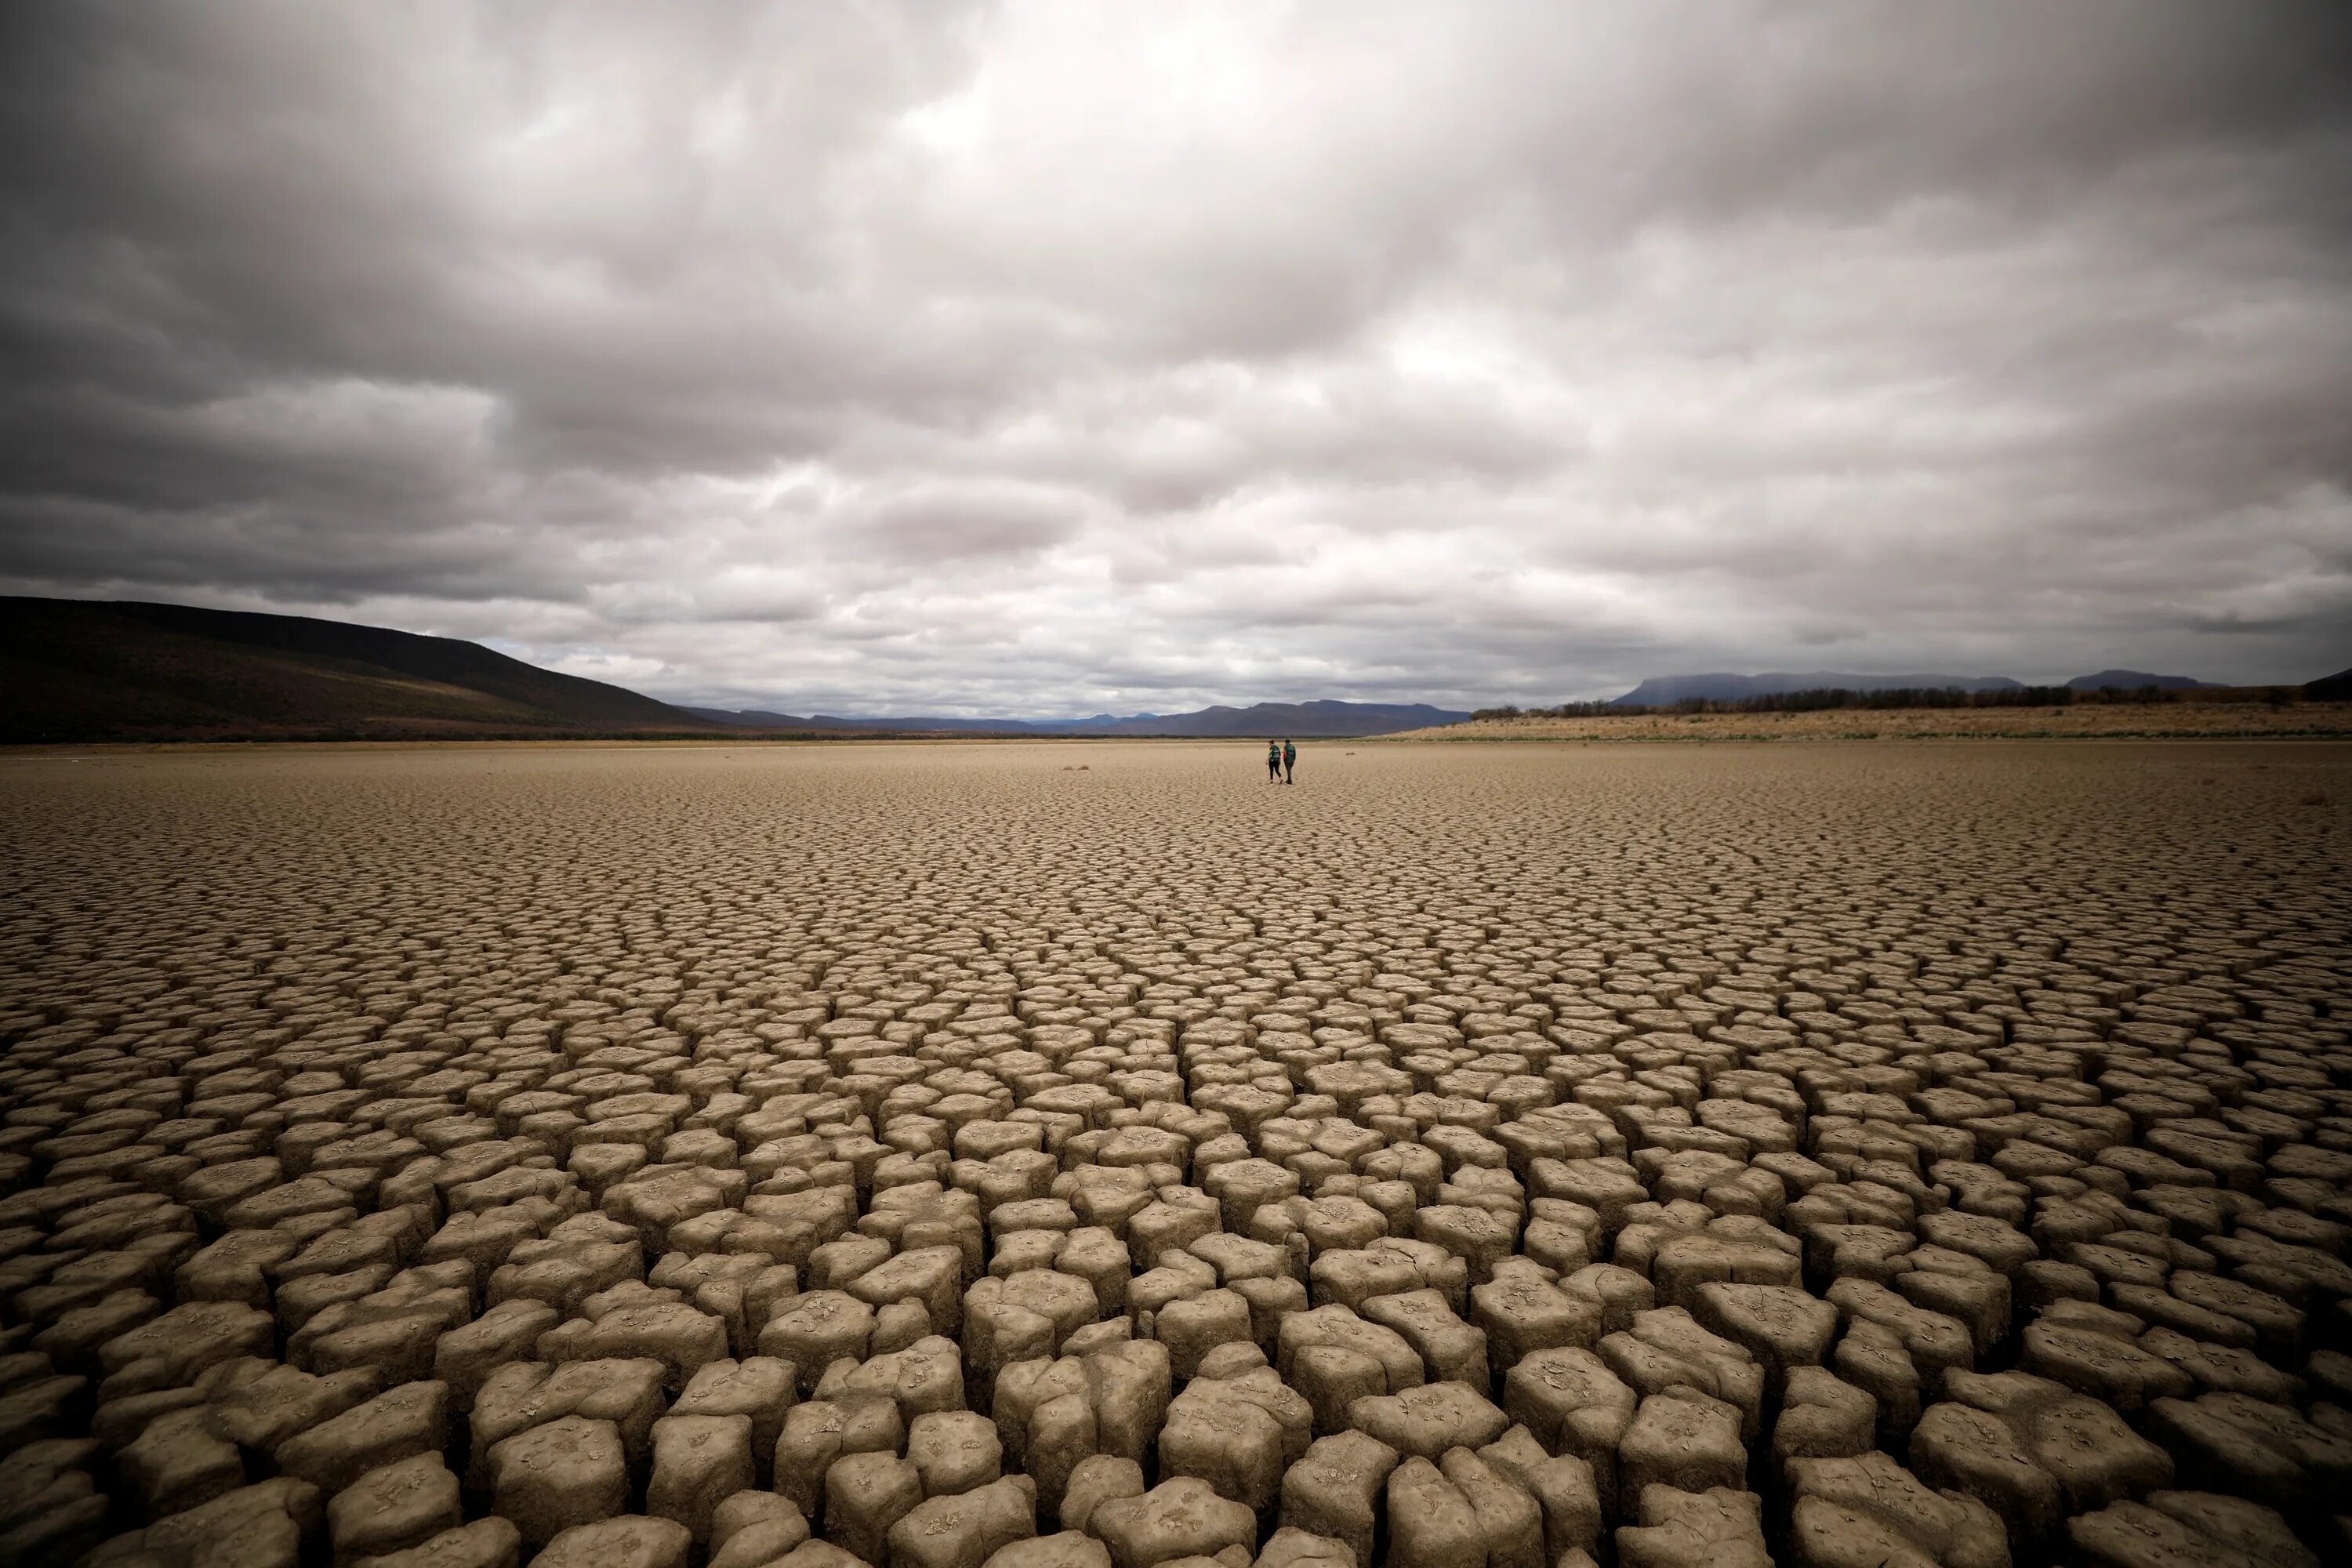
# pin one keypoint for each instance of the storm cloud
(1035, 358)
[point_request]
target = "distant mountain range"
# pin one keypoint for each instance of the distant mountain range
(1665, 691)
(2132, 680)
(1324, 718)
(83, 670)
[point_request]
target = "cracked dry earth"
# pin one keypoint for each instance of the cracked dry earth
(1068, 1157)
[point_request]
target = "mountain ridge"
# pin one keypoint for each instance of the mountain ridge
(2335, 688)
(1664, 690)
(96, 669)
(1324, 718)
(2133, 680)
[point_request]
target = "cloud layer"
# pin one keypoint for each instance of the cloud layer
(1035, 358)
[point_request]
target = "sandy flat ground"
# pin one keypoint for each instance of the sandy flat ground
(1470, 1154)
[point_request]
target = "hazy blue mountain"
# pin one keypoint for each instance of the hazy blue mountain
(1664, 690)
(2131, 680)
(755, 719)
(763, 718)
(1325, 719)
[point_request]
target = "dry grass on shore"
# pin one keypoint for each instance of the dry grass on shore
(2104, 721)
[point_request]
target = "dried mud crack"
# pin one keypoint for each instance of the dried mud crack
(942, 1157)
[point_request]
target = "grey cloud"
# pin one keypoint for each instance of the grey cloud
(1033, 358)
(946, 525)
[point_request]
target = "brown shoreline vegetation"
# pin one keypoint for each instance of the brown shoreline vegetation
(2173, 721)
(1084, 1155)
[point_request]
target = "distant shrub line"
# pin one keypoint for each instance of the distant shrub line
(1896, 697)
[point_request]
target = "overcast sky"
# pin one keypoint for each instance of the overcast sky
(1061, 357)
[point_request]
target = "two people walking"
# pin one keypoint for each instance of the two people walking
(1280, 758)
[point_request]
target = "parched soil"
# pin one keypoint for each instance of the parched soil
(1091, 1156)
(2087, 721)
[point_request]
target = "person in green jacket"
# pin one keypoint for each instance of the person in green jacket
(1289, 760)
(1272, 763)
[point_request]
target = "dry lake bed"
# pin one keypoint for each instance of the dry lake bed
(1091, 1156)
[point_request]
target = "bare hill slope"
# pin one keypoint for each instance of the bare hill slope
(73, 669)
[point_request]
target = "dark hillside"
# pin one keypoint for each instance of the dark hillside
(77, 669)
(2134, 679)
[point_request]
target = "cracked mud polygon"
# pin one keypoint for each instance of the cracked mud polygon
(1037, 1156)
